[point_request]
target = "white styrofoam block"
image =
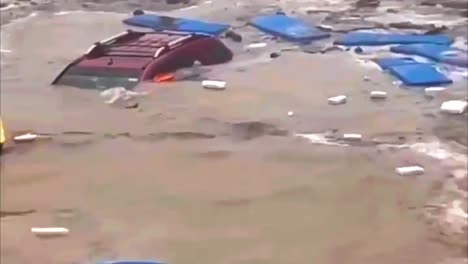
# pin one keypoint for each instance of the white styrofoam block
(434, 89)
(336, 100)
(431, 91)
(256, 45)
(354, 137)
(290, 113)
(326, 27)
(50, 231)
(378, 95)
(408, 171)
(25, 137)
(217, 85)
(454, 107)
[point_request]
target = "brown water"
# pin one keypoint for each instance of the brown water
(195, 176)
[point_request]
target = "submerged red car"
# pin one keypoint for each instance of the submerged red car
(132, 57)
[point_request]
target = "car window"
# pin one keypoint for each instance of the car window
(99, 79)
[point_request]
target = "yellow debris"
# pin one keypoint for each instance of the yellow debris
(2, 133)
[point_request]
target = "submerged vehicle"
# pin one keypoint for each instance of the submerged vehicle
(132, 57)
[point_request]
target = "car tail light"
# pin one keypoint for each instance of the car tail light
(164, 77)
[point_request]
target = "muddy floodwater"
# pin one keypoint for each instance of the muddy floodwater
(199, 176)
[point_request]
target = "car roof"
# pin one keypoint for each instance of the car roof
(115, 62)
(132, 50)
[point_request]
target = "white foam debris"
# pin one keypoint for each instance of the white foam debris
(50, 231)
(432, 91)
(256, 45)
(215, 85)
(326, 27)
(378, 95)
(119, 94)
(26, 137)
(290, 113)
(410, 171)
(63, 13)
(337, 100)
(320, 139)
(438, 151)
(352, 137)
(5, 51)
(454, 107)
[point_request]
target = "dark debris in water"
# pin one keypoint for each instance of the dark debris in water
(187, 135)
(367, 3)
(16, 213)
(233, 36)
(173, 2)
(410, 25)
(252, 130)
(77, 144)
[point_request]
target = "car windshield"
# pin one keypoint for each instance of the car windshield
(99, 79)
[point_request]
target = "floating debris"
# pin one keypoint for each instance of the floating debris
(26, 137)
(321, 139)
(275, 55)
(233, 36)
(290, 113)
(138, 12)
(337, 100)
(378, 95)
(256, 45)
(454, 107)
(16, 213)
(214, 85)
(352, 137)
(432, 91)
(325, 27)
(119, 95)
(410, 171)
(50, 231)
